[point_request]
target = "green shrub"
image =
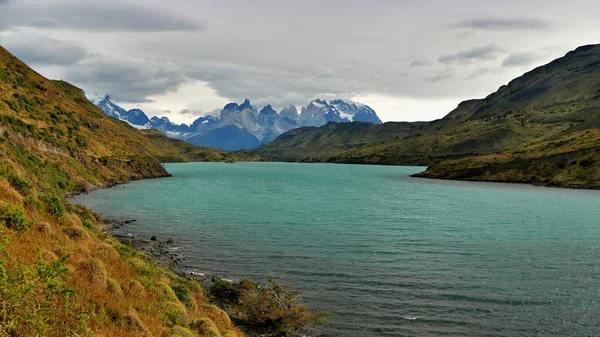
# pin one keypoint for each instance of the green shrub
(14, 218)
(19, 184)
(272, 309)
(183, 294)
(54, 205)
(105, 161)
(35, 302)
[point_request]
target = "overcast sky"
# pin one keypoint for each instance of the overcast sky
(409, 60)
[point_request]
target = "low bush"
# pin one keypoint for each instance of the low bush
(19, 184)
(14, 218)
(35, 302)
(273, 309)
(54, 205)
(183, 294)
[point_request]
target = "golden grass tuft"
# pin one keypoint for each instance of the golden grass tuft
(44, 227)
(164, 292)
(113, 287)
(76, 233)
(9, 194)
(94, 271)
(105, 252)
(179, 331)
(134, 288)
(134, 322)
(48, 256)
(230, 333)
(205, 327)
(218, 316)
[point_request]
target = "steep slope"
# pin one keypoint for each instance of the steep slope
(61, 274)
(542, 103)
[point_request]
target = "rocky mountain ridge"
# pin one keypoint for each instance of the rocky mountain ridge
(243, 126)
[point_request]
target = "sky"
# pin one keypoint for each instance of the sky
(408, 60)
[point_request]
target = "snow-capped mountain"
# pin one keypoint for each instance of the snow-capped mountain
(355, 112)
(320, 112)
(240, 126)
(136, 117)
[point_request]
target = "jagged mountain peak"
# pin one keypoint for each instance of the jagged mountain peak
(268, 109)
(290, 112)
(246, 105)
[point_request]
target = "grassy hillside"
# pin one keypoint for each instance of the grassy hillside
(60, 273)
(325, 142)
(570, 160)
(543, 103)
(174, 150)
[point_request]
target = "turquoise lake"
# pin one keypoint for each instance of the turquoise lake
(390, 255)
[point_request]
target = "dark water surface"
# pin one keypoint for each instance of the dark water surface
(389, 254)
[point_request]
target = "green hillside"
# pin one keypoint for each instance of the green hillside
(543, 103)
(571, 160)
(61, 274)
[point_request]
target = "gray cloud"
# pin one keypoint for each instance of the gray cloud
(420, 63)
(481, 53)
(520, 59)
(125, 79)
(369, 40)
(439, 78)
(503, 24)
(94, 16)
(39, 49)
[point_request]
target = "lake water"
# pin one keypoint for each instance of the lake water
(390, 255)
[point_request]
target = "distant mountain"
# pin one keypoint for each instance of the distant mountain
(229, 137)
(242, 126)
(355, 112)
(136, 117)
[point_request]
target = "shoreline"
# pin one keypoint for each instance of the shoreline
(423, 175)
(161, 249)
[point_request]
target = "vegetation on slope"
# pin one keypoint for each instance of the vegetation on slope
(60, 273)
(321, 144)
(570, 160)
(543, 103)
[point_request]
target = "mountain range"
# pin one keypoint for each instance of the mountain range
(541, 128)
(243, 126)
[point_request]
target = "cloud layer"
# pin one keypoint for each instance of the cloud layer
(196, 55)
(503, 24)
(95, 16)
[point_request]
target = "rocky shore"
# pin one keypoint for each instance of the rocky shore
(162, 249)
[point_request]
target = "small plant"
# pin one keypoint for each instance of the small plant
(54, 205)
(14, 218)
(19, 184)
(183, 294)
